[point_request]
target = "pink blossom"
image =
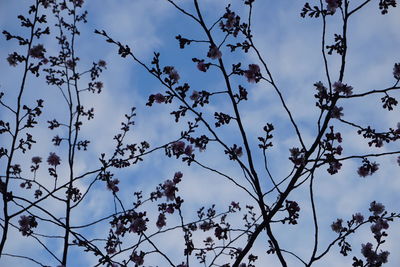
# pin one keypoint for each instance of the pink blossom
(339, 87)
(138, 225)
(169, 189)
(337, 226)
(37, 51)
(376, 208)
(214, 53)
(102, 63)
(172, 73)
(159, 98)
(161, 221)
(188, 150)
(26, 223)
(53, 159)
(178, 147)
(332, 5)
(253, 74)
(195, 95)
(112, 185)
(138, 259)
(13, 59)
(36, 160)
(177, 177)
(201, 66)
(358, 218)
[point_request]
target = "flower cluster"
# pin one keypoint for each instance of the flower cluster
(230, 23)
(37, 51)
(53, 159)
(112, 185)
(138, 259)
(339, 87)
(172, 73)
(296, 156)
(376, 208)
(336, 112)
(332, 5)
(367, 168)
(14, 58)
(293, 210)
(253, 74)
(358, 218)
(337, 226)
(214, 52)
(26, 223)
(36, 160)
(374, 258)
(159, 98)
(180, 148)
(201, 66)
(138, 223)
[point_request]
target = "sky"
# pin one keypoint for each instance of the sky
(290, 45)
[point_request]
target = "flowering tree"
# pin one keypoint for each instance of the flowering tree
(211, 121)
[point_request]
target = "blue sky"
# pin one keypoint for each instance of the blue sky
(291, 47)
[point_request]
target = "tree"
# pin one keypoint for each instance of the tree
(110, 205)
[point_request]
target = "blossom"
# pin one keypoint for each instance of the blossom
(396, 71)
(253, 74)
(373, 258)
(46, 4)
(119, 228)
(334, 166)
(358, 218)
(367, 168)
(376, 208)
(98, 85)
(214, 52)
(53, 159)
(78, 2)
(37, 51)
(296, 156)
(332, 5)
(230, 20)
(377, 227)
(238, 151)
(161, 221)
(159, 98)
(13, 59)
(36, 160)
(172, 73)
(235, 205)
(26, 223)
(340, 87)
(336, 112)
(70, 63)
(112, 185)
(102, 63)
(195, 95)
(138, 259)
(138, 225)
(177, 177)
(169, 189)
(178, 147)
(337, 226)
(201, 66)
(188, 150)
